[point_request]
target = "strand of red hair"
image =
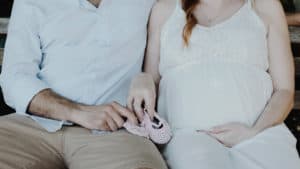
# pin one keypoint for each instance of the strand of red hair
(189, 7)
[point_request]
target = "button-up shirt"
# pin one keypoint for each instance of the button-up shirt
(86, 54)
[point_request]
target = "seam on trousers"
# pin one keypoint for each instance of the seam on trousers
(143, 165)
(63, 146)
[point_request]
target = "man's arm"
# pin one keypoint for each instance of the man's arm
(24, 90)
(51, 105)
(19, 78)
(103, 117)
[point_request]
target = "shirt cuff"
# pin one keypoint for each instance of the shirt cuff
(22, 92)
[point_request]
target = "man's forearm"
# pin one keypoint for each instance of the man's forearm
(50, 105)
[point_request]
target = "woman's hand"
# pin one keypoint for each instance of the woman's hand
(232, 134)
(142, 94)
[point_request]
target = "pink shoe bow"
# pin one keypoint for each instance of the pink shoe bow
(157, 130)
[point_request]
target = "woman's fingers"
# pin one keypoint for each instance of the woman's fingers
(224, 138)
(220, 137)
(137, 107)
(142, 91)
(217, 130)
(220, 129)
(130, 103)
(150, 106)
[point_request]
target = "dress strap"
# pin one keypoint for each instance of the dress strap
(250, 3)
(178, 5)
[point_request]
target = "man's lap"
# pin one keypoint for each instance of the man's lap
(23, 144)
(22, 140)
(113, 150)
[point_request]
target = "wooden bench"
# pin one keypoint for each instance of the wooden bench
(295, 39)
(3, 25)
(1, 55)
(297, 101)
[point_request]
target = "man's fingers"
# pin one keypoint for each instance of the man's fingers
(105, 127)
(112, 125)
(125, 112)
(117, 118)
(138, 108)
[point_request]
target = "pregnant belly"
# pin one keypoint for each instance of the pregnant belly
(202, 96)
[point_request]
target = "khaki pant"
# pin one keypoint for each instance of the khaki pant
(25, 145)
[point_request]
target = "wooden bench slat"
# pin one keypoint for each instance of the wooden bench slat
(297, 66)
(294, 34)
(3, 25)
(297, 100)
(1, 55)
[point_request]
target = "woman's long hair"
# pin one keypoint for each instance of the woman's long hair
(189, 6)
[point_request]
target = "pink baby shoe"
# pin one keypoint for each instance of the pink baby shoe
(136, 130)
(157, 130)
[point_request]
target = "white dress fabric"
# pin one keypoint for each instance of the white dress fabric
(221, 77)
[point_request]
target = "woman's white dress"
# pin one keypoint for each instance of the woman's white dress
(221, 77)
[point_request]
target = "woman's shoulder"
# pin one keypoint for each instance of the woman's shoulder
(166, 4)
(162, 11)
(271, 11)
(267, 3)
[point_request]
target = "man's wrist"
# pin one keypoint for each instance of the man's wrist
(74, 111)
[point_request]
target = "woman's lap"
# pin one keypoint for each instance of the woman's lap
(274, 148)
(193, 150)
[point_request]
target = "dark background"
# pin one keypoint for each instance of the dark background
(5, 7)
(288, 5)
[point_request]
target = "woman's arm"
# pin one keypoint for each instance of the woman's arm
(159, 16)
(143, 88)
(281, 65)
(282, 72)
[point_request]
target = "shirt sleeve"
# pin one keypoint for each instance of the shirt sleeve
(20, 79)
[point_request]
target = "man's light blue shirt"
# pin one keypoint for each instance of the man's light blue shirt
(86, 54)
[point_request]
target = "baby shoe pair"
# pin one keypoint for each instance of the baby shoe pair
(158, 130)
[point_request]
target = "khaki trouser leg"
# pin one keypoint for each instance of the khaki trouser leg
(119, 150)
(25, 145)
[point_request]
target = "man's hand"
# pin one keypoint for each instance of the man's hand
(231, 134)
(109, 117)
